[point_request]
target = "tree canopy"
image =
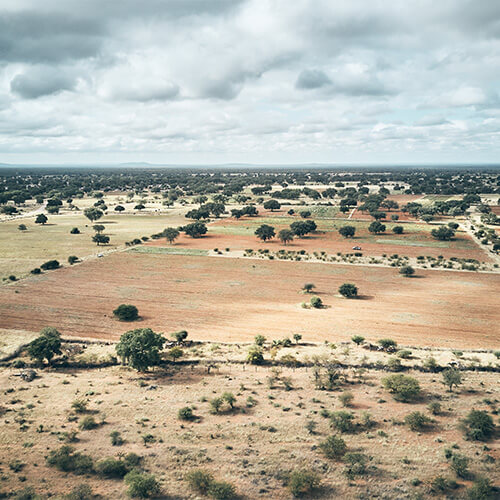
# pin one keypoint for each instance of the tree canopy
(140, 348)
(46, 346)
(265, 232)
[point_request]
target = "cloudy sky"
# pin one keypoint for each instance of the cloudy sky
(261, 81)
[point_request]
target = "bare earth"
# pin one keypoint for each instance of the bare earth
(227, 299)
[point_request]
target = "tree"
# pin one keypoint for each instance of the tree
(142, 485)
(398, 229)
(308, 287)
(357, 339)
(41, 219)
(303, 227)
(347, 231)
(265, 232)
(305, 214)
(377, 215)
(333, 447)
(50, 264)
(195, 230)
(119, 208)
(452, 377)
(316, 302)
(100, 239)
(285, 236)
(303, 482)
(139, 206)
(75, 230)
(52, 209)
(22, 227)
(443, 233)
(175, 353)
(255, 356)
(126, 312)
(140, 348)
(98, 228)
(46, 346)
(260, 340)
(297, 337)
(171, 234)
(93, 214)
(407, 271)
(272, 205)
(180, 336)
(72, 259)
(376, 227)
(348, 290)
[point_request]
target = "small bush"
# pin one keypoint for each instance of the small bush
(333, 447)
(79, 405)
(142, 485)
(346, 398)
(221, 490)
(72, 259)
(75, 230)
(385, 343)
(126, 312)
(80, 492)
(478, 425)
(260, 340)
(255, 356)
(88, 423)
(394, 364)
(316, 302)
(199, 480)
(303, 482)
(50, 264)
(402, 387)
(342, 421)
(460, 465)
(348, 290)
(417, 421)
(482, 489)
(185, 413)
(434, 407)
(67, 460)
(404, 354)
(441, 484)
(37, 270)
(355, 464)
(116, 439)
(357, 339)
(111, 467)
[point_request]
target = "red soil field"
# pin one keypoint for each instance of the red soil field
(228, 299)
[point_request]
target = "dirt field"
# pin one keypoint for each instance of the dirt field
(253, 447)
(228, 299)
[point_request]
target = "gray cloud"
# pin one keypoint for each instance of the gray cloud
(312, 79)
(41, 81)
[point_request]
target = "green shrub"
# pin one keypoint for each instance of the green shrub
(346, 398)
(316, 302)
(355, 464)
(67, 460)
(81, 492)
(434, 407)
(460, 465)
(482, 490)
(132, 460)
(357, 339)
(385, 343)
(260, 340)
(199, 480)
(441, 484)
(430, 364)
(142, 485)
(126, 312)
(221, 490)
(255, 356)
(342, 421)
(88, 423)
(404, 354)
(394, 364)
(478, 425)
(417, 421)
(50, 264)
(185, 413)
(79, 405)
(402, 387)
(348, 290)
(116, 439)
(303, 482)
(111, 467)
(333, 447)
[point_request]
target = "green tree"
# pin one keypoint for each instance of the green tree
(180, 336)
(142, 485)
(285, 236)
(308, 287)
(397, 229)
(119, 208)
(126, 312)
(407, 271)
(22, 227)
(376, 227)
(316, 302)
(46, 346)
(478, 425)
(175, 353)
(93, 214)
(140, 348)
(443, 233)
(357, 339)
(72, 259)
(402, 387)
(452, 377)
(196, 229)
(303, 482)
(348, 290)
(333, 447)
(171, 234)
(265, 232)
(100, 239)
(260, 340)
(255, 356)
(347, 231)
(98, 228)
(272, 205)
(41, 219)
(297, 337)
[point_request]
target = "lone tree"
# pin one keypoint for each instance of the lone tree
(443, 233)
(402, 387)
(265, 232)
(93, 213)
(119, 208)
(407, 271)
(22, 227)
(272, 205)
(347, 231)
(41, 219)
(285, 236)
(46, 346)
(140, 348)
(452, 377)
(180, 336)
(376, 227)
(195, 229)
(398, 229)
(348, 290)
(171, 234)
(302, 227)
(100, 239)
(308, 287)
(98, 228)
(126, 312)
